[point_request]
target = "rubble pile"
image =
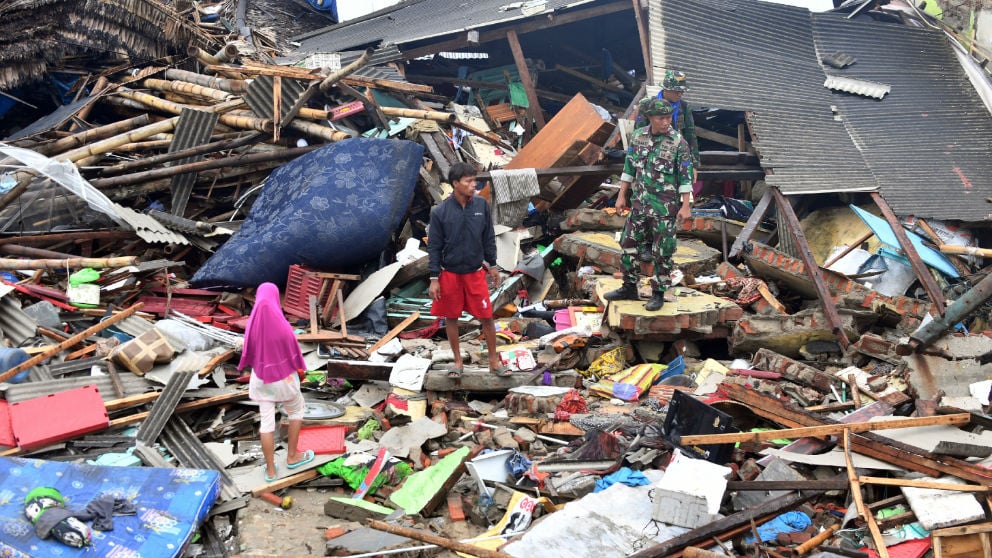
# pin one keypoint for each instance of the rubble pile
(817, 383)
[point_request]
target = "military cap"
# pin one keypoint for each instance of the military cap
(652, 106)
(674, 81)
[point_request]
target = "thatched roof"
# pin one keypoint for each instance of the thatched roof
(39, 36)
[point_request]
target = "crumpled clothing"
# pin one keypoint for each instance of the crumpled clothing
(624, 475)
(571, 404)
(788, 522)
(101, 510)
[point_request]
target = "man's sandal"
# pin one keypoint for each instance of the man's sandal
(503, 371)
(455, 373)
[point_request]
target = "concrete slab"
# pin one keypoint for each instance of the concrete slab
(692, 256)
(777, 470)
(785, 334)
(687, 313)
(929, 374)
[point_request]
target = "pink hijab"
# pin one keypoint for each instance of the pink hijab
(270, 346)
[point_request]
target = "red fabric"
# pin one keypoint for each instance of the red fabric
(909, 549)
(468, 292)
(270, 346)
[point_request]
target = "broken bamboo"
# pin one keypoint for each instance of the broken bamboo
(235, 161)
(41, 357)
(239, 122)
(351, 68)
(71, 263)
(213, 147)
(187, 88)
(932, 485)
(236, 86)
(444, 542)
(94, 134)
(317, 131)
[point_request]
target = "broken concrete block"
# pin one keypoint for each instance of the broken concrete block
(785, 334)
(691, 313)
(771, 264)
(792, 370)
(680, 509)
(592, 220)
(878, 347)
(602, 250)
(929, 374)
(776, 470)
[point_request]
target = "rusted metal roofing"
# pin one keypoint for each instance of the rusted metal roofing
(194, 128)
(929, 141)
(416, 20)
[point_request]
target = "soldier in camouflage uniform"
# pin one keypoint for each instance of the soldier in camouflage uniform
(657, 175)
(673, 86)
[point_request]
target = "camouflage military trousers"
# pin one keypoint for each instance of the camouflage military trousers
(647, 229)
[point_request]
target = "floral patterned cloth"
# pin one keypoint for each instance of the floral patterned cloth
(332, 208)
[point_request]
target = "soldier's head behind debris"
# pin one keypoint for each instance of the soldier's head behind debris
(674, 80)
(654, 107)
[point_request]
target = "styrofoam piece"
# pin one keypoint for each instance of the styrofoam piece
(36, 425)
(942, 508)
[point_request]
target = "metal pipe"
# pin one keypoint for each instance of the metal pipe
(959, 310)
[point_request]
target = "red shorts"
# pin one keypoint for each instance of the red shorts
(460, 292)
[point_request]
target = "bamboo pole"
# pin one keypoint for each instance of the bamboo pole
(68, 236)
(203, 56)
(236, 86)
(109, 144)
(356, 65)
(316, 130)
(74, 340)
(213, 147)
(965, 250)
(165, 143)
(93, 134)
(437, 116)
(187, 88)
(71, 263)
(236, 161)
(424, 536)
(98, 89)
(932, 485)
(226, 53)
(32, 252)
(240, 122)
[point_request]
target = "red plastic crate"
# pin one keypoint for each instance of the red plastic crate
(300, 284)
(44, 420)
(323, 440)
(6, 430)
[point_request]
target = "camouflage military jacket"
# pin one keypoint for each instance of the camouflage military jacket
(659, 168)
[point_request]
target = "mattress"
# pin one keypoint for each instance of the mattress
(170, 506)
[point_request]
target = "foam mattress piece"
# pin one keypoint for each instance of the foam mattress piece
(170, 503)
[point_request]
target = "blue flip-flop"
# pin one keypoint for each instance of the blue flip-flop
(308, 457)
(272, 478)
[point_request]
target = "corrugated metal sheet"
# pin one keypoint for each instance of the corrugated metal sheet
(194, 128)
(261, 97)
(418, 20)
(759, 57)
(857, 86)
(131, 384)
(14, 323)
(191, 453)
(929, 142)
(164, 406)
(148, 229)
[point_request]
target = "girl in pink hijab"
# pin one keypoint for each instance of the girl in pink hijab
(272, 352)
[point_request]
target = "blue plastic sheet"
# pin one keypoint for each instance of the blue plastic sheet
(625, 475)
(788, 522)
(331, 209)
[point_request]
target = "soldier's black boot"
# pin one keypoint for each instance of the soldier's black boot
(656, 302)
(645, 255)
(627, 291)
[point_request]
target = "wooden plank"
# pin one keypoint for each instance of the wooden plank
(919, 268)
(394, 332)
(957, 419)
(812, 268)
(867, 515)
(873, 445)
(645, 39)
(131, 401)
(185, 407)
(577, 120)
(838, 484)
(924, 484)
(534, 110)
(285, 482)
(582, 170)
(717, 137)
(752, 224)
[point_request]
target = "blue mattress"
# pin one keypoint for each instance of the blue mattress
(170, 503)
(331, 209)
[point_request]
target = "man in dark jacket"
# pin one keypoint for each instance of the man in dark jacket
(461, 245)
